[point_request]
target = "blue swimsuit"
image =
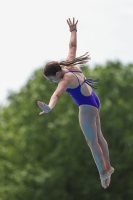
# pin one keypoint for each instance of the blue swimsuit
(78, 97)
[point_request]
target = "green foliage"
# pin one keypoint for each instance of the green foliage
(46, 157)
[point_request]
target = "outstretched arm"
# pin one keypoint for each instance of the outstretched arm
(62, 86)
(73, 39)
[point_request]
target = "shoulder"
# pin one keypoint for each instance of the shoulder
(66, 78)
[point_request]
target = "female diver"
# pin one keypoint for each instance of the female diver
(71, 79)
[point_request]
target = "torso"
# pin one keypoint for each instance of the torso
(79, 89)
(86, 90)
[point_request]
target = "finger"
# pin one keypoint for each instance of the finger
(41, 113)
(76, 22)
(73, 20)
(41, 106)
(44, 104)
(70, 21)
(39, 103)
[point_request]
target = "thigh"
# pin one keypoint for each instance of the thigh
(87, 121)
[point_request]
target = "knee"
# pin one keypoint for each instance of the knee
(102, 141)
(92, 144)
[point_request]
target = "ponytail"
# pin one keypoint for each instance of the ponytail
(52, 67)
(79, 60)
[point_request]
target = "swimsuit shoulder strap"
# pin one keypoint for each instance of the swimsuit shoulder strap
(72, 71)
(88, 81)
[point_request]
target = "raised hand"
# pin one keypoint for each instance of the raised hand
(72, 24)
(44, 107)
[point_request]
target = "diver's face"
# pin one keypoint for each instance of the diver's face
(53, 79)
(56, 78)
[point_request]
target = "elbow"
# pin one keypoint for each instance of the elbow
(58, 96)
(55, 96)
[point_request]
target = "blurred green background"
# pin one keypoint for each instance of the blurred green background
(47, 158)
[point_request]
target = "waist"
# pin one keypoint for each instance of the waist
(80, 99)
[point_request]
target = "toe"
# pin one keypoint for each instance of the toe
(108, 181)
(103, 182)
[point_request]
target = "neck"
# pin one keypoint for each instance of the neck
(63, 72)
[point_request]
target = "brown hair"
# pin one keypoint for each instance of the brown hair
(52, 67)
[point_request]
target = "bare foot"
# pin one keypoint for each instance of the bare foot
(103, 183)
(107, 182)
(105, 175)
(105, 179)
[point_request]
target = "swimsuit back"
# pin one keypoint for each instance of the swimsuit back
(78, 97)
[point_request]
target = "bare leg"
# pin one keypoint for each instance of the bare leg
(104, 146)
(87, 120)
